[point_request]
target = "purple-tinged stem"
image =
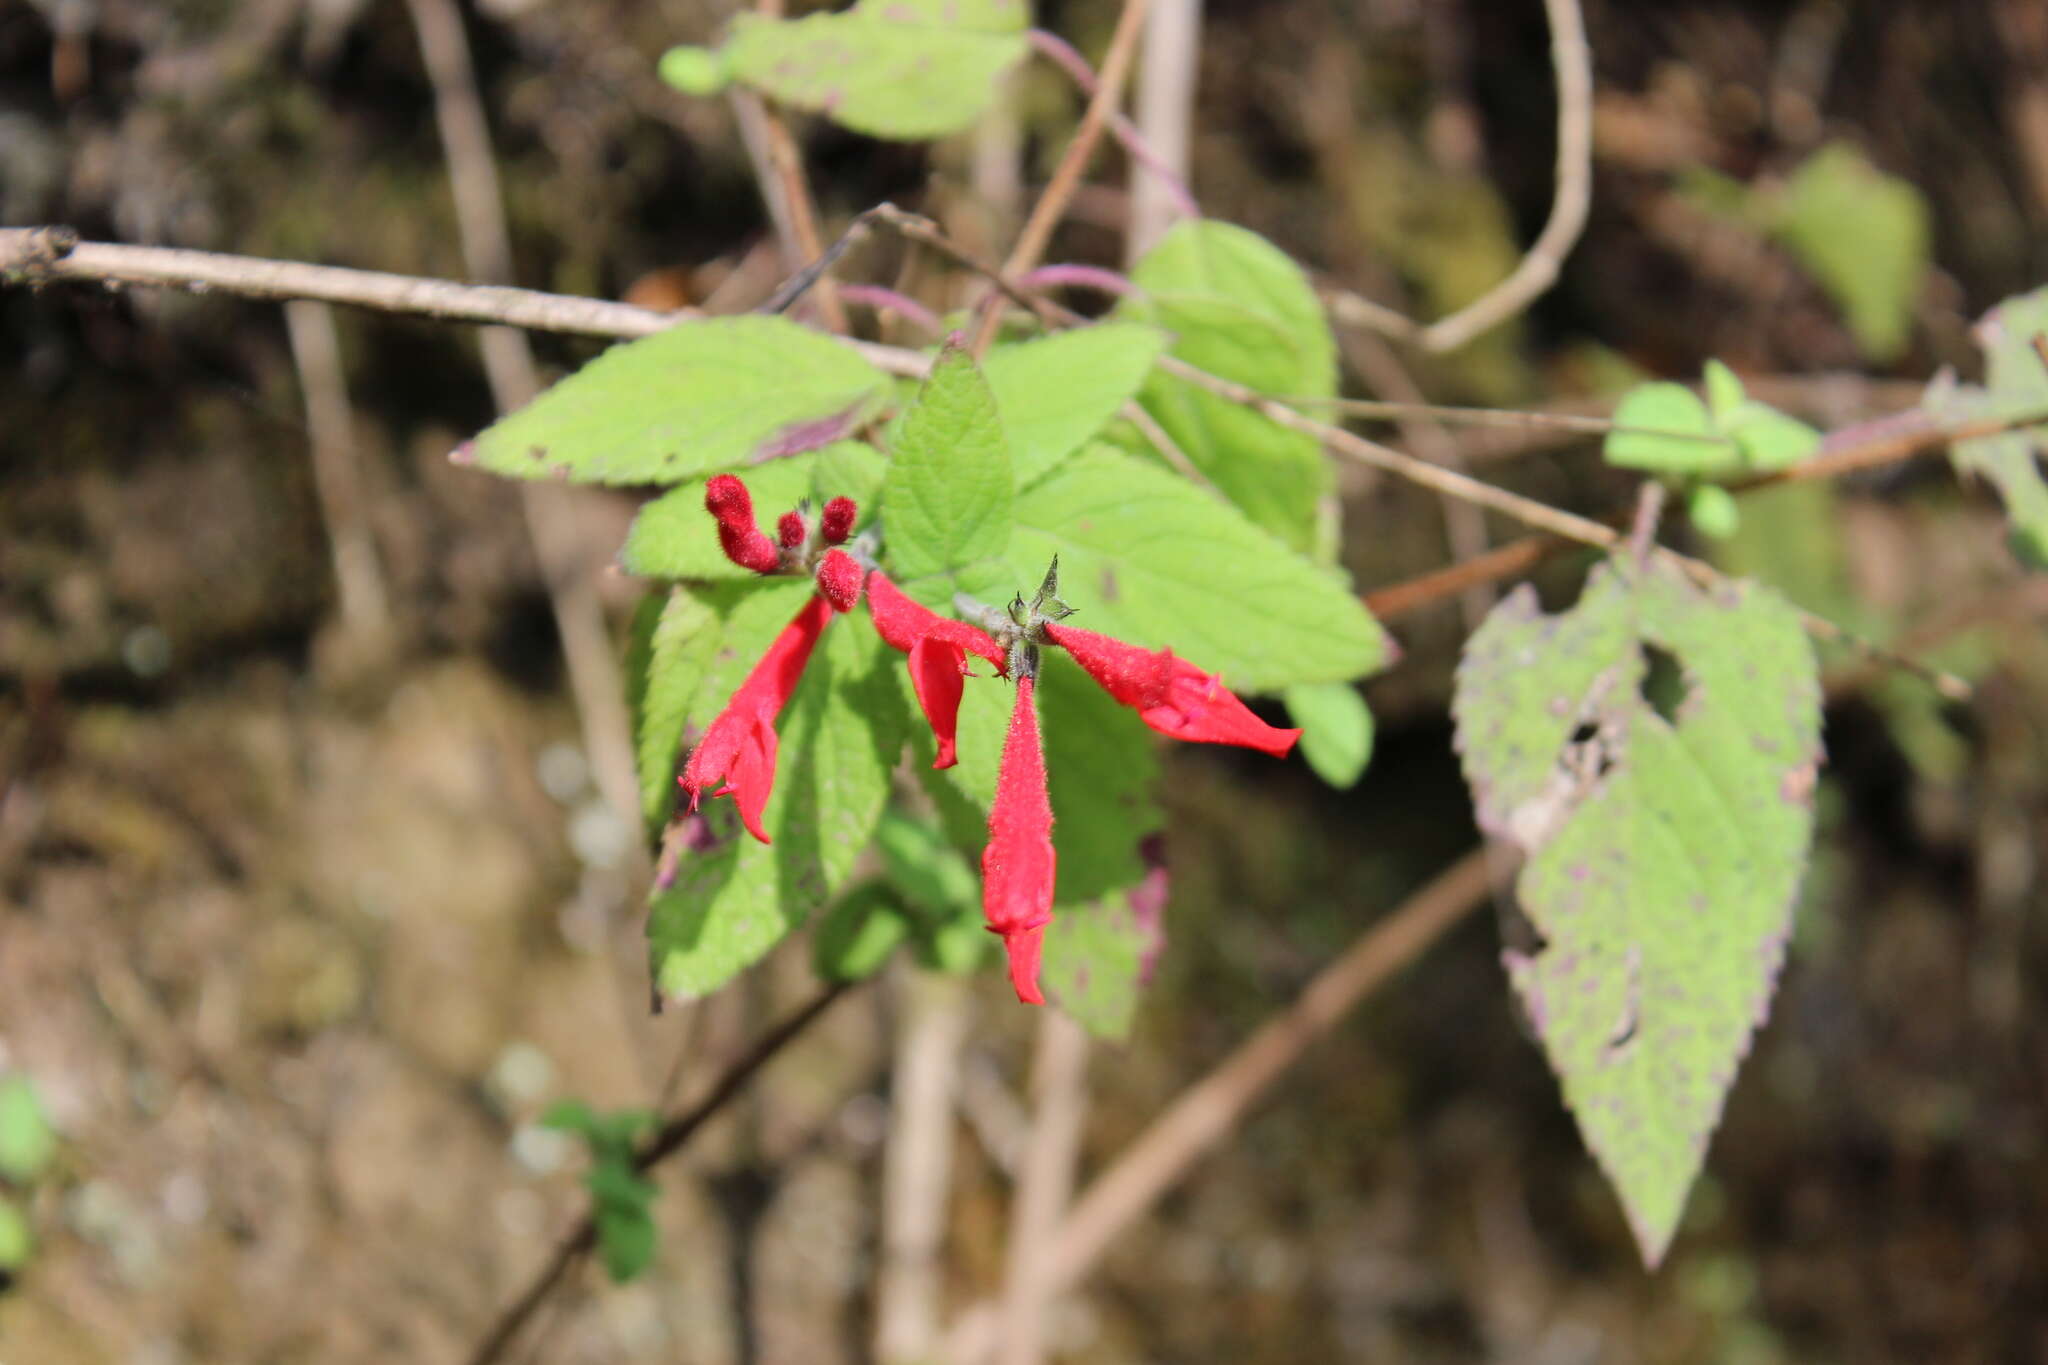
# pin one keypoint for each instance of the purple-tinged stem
(1063, 55)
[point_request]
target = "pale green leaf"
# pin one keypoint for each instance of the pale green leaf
(1725, 393)
(734, 898)
(1056, 392)
(681, 633)
(1864, 236)
(695, 70)
(2016, 379)
(1665, 428)
(17, 1241)
(674, 537)
(1149, 558)
(1096, 960)
(1712, 511)
(941, 891)
(859, 934)
(1666, 816)
(701, 396)
(1336, 730)
(903, 69)
(26, 1140)
(946, 502)
(1240, 308)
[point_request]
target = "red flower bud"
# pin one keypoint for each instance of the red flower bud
(1017, 867)
(739, 745)
(938, 648)
(727, 499)
(790, 529)
(839, 575)
(836, 522)
(1170, 694)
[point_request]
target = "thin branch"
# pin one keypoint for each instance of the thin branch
(918, 1164)
(1167, 162)
(1066, 177)
(29, 255)
(1464, 524)
(1208, 1110)
(1045, 1181)
(1166, 115)
(1572, 61)
(1512, 560)
(337, 474)
(670, 1138)
(566, 560)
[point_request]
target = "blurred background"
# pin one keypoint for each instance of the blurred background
(310, 902)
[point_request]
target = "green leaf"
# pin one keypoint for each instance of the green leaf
(665, 673)
(674, 537)
(1653, 752)
(1863, 234)
(2016, 380)
(1096, 960)
(947, 500)
(626, 1240)
(17, 1242)
(1241, 309)
(26, 1140)
(1725, 394)
(622, 1201)
(1665, 428)
(1712, 510)
(609, 1135)
(1102, 768)
(904, 69)
(1336, 730)
(734, 898)
(1151, 559)
(925, 870)
(859, 934)
(1056, 392)
(694, 70)
(698, 397)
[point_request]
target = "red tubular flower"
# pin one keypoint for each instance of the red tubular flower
(1018, 865)
(727, 499)
(835, 523)
(1170, 694)
(938, 648)
(839, 575)
(739, 745)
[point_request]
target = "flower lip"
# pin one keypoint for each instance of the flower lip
(1019, 866)
(738, 749)
(726, 499)
(938, 649)
(1170, 694)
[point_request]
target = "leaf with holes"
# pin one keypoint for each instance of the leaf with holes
(701, 396)
(2016, 387)
(904, 69)
(1653, 752)
(1239, 308)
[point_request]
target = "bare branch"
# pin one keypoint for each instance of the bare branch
(337, 473)
(918, 1164)
(1573, 63)
(673, 1135)
(1066, 177)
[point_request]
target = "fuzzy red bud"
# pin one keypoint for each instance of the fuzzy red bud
(836, 524)
(839, 578)
(790, 529)
(727, 499)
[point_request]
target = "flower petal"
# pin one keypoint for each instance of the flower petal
(740, 744)
(938, 673)
(1170, 694)
(1018, 866)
